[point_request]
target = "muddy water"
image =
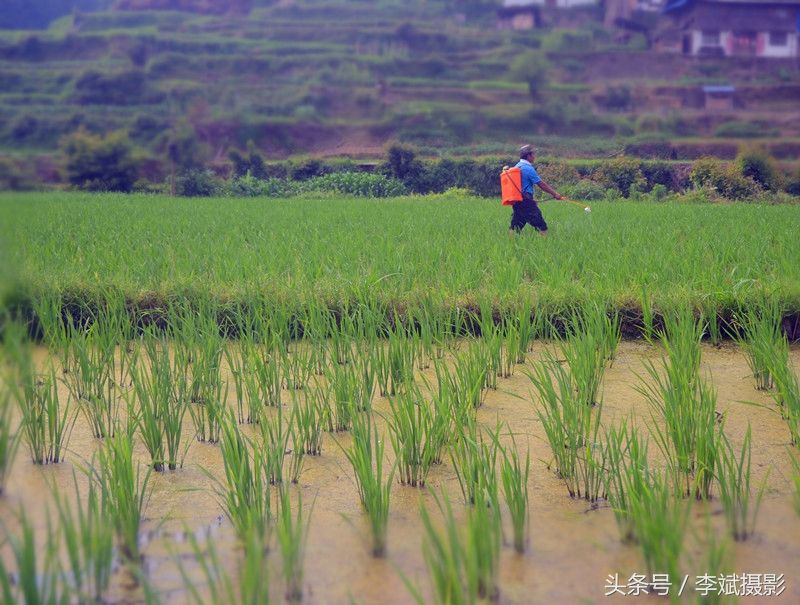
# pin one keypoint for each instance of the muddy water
(573, 546)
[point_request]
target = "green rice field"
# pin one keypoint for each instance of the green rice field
(444, 251)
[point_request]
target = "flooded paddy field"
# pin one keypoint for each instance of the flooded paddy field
(572, 547)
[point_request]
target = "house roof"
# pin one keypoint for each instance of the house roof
(679, 4)
(709, 16)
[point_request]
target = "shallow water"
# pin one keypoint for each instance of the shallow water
(573, 546)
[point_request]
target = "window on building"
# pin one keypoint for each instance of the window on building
(778, 39)
(710, 38)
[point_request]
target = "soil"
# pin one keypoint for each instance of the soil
(574, 546)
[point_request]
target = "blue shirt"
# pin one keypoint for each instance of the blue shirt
(530, 177)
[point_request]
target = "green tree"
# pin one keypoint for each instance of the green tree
(531, 68)
(100, 163)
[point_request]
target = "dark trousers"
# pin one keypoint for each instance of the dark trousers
(527, 212)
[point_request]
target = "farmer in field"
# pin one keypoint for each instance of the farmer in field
(526, 211)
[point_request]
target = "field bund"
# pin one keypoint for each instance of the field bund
(441, 252)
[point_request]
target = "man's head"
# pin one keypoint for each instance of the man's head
(527, 152)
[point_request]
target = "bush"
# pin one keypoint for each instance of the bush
(248, 185)
(793, 184)
(658, 173)
(360, 184)
(743, 130)
(622, 173)
(559, 173)
(755, 163)
(100, 163)
(308, 169)
(725, 180)
(197, 182)
(15, 176)
(617, 98)
(585, 189)
(401, 163)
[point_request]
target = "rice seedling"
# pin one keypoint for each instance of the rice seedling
(36, 578)
(55, 328)
(659, 521)
(292, 535)
(308, 417)
(297, 365)
(88, 535)
(124, 490)
(733, 477)
(394, 361)
(263, 379)
(796, 482)
(236, 356)
(628, 475)
(345, 396)
(685, 419)
(198, 351)
(572, 428)
(484, 539)
(591, 339)
(91, 379)
(787, 396)
(454, 580)
(467, 379)
(9, 437)
(276, 432)
(717, 563)
(243, 492)
(463, 564)
(251, 586)
(47, 421)
(366, 455)
(474, 462)
(161, 391)
(413, 431)
(763, 343)
(365, 370)
(514, 475)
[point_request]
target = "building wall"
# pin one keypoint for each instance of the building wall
(763, 46)
(789, 50)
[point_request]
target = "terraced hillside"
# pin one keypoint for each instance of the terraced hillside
(343, 78)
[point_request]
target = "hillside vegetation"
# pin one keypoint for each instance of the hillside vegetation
(340, 78)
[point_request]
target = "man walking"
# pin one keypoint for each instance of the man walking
(526, 211)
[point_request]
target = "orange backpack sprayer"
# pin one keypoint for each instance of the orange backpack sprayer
(511, 185)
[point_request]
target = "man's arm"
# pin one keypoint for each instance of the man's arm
(548, 189)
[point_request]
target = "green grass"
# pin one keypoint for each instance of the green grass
(325, 252)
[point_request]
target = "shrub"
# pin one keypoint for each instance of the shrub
(251, 186)
(100, 163)
(725, 180)
(197, 182)
(586, 189)
(793, 184)
(658, 173)
(621, 173)
(124, 88)
(559, 173)
(617, 98)
(402, 164)
(755, 163)
(252, 164)
(743, 130)
(308, 169)
(360, 184)
(14, 176)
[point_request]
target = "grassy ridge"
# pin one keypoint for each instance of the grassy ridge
(448, 250)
